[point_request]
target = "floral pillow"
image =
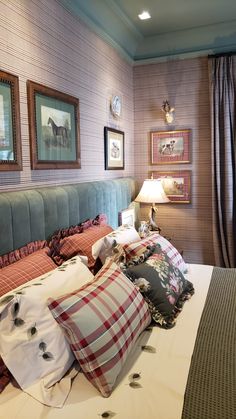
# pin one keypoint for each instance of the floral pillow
(135, 250)
(163, 286)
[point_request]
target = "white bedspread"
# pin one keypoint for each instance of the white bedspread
(163, 374)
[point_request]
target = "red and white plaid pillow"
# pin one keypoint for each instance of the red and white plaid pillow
(136, 249)
(30, 267)
(80, 244)
(102, 322)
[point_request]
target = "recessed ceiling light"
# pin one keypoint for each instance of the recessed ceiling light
(144, 15)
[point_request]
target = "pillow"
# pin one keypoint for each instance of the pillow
(80, 244)
(5, 375)
(25, 269)
(162, 285)
(54, 242)
(21, 253)
(135, 250)
(102, 322)
(37, 354)
(103, 247)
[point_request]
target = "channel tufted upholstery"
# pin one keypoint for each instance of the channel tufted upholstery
(35, 214)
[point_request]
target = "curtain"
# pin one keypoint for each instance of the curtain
(222, 75)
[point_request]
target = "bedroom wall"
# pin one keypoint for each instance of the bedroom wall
(41, 41)
(184, 83)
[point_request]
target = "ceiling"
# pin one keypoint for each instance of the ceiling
(176, 27)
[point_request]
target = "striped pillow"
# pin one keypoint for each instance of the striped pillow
(30, 267)
(102, 322)
(136, 249)
(81, 244)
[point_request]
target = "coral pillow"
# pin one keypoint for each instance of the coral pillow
(102, 322)
(21, 253)
(81, 244)
(30, 267)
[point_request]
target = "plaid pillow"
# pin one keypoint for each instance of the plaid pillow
(23, 270)
(136, 249)
(80, 244)
(21, 253)
(102, 322)
(54, 242)
(5, 375)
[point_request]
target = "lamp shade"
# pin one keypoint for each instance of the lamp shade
(152, 192)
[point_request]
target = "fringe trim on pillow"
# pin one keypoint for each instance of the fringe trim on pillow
(21, 253)
(54, 243)
(168, 321)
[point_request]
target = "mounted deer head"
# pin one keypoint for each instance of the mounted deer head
(168, 112)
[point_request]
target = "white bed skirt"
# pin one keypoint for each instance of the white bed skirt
(163, 374)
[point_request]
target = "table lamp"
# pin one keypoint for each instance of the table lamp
(152, 192)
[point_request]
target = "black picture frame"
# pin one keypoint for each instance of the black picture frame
(114, 142)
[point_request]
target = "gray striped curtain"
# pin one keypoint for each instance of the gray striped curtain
(222, 74)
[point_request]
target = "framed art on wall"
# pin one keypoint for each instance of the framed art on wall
(176, 184)
(169, 147)
(54, 128)
(114, 149)
(10, 135)
(127, 217)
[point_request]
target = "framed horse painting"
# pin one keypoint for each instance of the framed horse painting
(53, 127)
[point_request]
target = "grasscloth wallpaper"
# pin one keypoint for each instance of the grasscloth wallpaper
(184, 83)
(41, 41)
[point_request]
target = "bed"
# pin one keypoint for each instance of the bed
(185, 372)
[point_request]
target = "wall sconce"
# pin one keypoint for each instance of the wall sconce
(168, 111)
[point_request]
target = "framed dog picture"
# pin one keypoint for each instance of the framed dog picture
(176, 184)
(170, 147)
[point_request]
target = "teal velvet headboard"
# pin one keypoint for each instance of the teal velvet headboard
(35, 214)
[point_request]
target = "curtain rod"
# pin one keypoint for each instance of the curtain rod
(223, 54)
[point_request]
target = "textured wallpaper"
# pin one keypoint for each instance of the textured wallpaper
(42, 42)
(184, 83)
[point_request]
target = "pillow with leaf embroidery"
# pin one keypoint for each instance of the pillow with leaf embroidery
(163, 286)
(32, 345)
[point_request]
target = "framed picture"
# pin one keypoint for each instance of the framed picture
(54, 128)
(177, 185)
(10, 135)
(170, 147)
(127, 217)
(114, 149)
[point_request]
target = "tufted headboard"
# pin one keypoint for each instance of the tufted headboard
(35, 214)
